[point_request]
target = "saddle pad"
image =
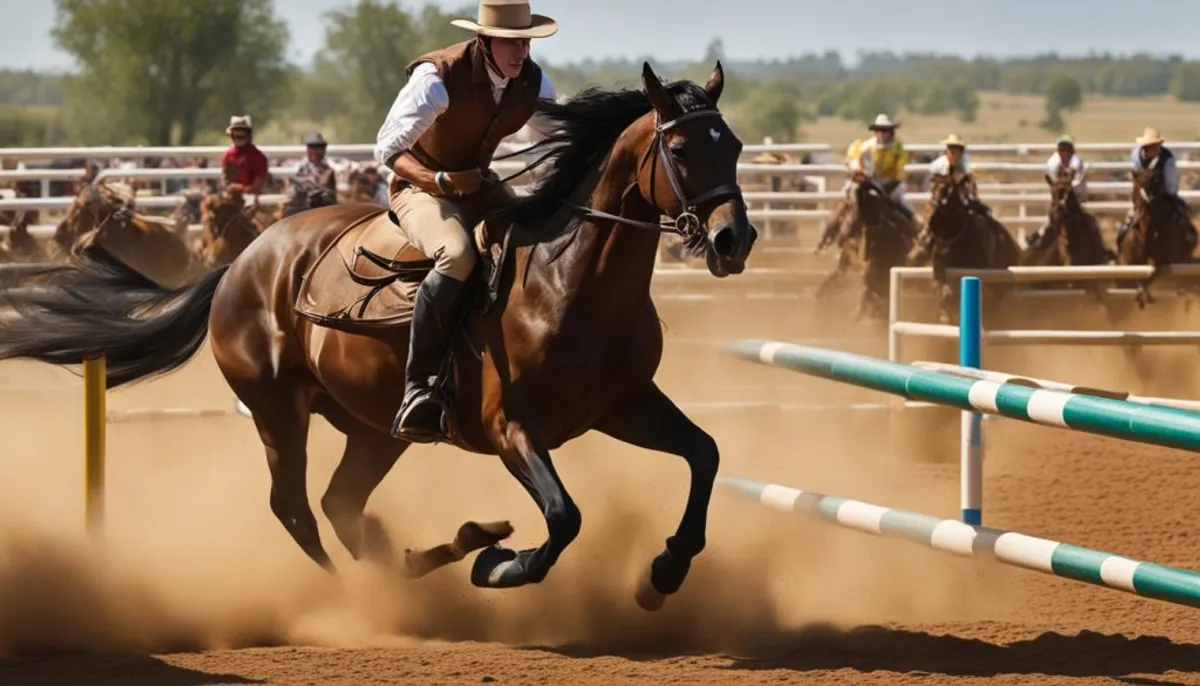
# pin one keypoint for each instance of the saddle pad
(346, 290)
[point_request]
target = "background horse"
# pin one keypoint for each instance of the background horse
(1073, 234)
(105, 218)
(963, 237)
(878, 234)
(565, 340)
(228, 229)
(1161, 232)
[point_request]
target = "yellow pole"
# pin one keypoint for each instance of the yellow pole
(95, 418)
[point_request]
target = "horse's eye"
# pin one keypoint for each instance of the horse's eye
(677, 152)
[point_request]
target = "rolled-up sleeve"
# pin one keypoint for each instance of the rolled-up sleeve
(418, 105)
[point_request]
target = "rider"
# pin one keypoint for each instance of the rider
(316, 169)
(243, 163)
(954, 160)
(439, 139)
(1063, 161)
(1147, 149)
(882, 159)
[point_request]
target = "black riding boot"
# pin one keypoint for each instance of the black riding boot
(435, 315)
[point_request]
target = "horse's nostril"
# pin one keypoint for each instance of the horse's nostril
(722, 241)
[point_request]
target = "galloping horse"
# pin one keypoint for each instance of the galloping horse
(963, 237)
(878, 234)
(1073, 234)
(563, 338)
(228, 230)
(1161, 233)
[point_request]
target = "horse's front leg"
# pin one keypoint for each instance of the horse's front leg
(526, 457)
(649, 419)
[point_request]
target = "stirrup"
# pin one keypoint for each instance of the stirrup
(414, 399)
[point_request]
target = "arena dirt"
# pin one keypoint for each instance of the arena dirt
(198, 583)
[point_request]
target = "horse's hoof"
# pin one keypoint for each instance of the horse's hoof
(474, 536)
(497, 567)
(648, 598)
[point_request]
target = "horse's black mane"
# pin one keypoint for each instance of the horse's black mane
(586, 127)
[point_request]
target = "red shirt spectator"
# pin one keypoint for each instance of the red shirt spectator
(243, 162)
(249, 165)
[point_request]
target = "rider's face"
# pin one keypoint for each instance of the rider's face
(883, 135)
(316, 153)
(1065, 153)
(510, 55)
(954, 154)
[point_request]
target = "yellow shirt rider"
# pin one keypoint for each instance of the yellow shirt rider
(882, 159)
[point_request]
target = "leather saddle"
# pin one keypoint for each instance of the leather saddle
(367, 279)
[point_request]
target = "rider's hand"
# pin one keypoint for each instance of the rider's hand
(464, 183)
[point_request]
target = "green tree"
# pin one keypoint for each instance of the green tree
(367, 47)
(770, 109)
(158, 71)
(1185, 82)
(1064, 92)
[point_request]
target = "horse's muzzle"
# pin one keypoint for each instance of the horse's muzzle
(729, 246)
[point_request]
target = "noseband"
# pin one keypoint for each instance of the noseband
(686, 223)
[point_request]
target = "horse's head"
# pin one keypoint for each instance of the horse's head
(688, 171)
(96, 207)
(219, 211)
(1063, 200)
(948, 202)
(1148, 184)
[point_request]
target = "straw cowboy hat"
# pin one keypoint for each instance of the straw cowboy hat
(239, 121)
(1065, 140)
(883, 123)
(508, 19)
(1150, 136)
(954, 141)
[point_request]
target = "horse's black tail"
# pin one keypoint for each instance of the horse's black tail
(101, 307)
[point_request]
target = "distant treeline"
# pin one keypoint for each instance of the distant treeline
(164, 90)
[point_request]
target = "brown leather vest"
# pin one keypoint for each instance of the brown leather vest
(470, 129)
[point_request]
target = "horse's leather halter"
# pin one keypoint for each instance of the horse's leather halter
(686, 223)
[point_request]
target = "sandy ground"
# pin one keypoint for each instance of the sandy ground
(198, 584)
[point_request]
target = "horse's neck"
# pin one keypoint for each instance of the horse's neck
(609, 257)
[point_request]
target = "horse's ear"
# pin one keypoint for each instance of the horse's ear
(716, 83)
(662, 101)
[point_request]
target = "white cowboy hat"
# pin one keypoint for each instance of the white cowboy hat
(883, 122)
(508, 19)
(239, 121)
(1149, 137)
(954, 140)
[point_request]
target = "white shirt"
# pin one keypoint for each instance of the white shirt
(941, 166)
(1054, 165)
(422, 101)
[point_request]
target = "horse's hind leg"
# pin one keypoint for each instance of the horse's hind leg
(651, 420)
(369, 456)
(527, 459)
(282, 421)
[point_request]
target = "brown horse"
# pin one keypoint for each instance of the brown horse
(565, 340)
(878, 234)
(307, 194)
(1073, 236)
(102, 217)
(963, 236)
(1161, 232)
(228, 230)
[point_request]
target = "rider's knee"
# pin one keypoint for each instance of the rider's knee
(455, 257)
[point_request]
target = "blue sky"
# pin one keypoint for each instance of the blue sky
(671, 29)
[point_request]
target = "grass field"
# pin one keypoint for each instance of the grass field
(1005, 118)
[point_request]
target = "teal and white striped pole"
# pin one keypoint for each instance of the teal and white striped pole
(1164, 426)
(1146, 579)
(970, 353)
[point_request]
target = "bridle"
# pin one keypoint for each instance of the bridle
(686, 223)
